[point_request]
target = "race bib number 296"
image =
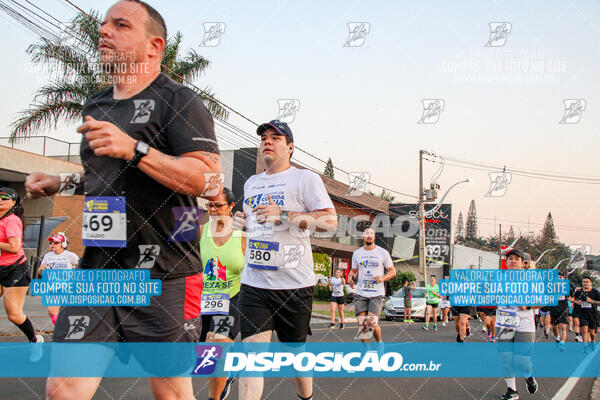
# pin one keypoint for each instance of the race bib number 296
(104, 222)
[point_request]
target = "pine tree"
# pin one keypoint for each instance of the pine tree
(548, 232)
(460, 228)
(511, 234)
(329, 169)
(471, 226)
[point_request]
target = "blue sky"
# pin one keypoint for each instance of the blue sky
(360, 105)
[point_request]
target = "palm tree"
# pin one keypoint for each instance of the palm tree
(75, 76)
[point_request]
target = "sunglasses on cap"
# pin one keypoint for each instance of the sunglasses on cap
(4, 196)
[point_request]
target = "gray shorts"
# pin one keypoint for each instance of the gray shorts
(372, 305)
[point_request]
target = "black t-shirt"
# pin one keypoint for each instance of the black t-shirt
(587, 308)
(563, 303)
(162, 225)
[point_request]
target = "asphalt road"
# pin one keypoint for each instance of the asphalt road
(337, 388)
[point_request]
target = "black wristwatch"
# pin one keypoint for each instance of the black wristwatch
(141, 149)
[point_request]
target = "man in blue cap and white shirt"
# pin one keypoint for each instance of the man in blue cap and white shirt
(282, 205)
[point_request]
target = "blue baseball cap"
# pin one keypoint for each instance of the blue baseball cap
(280, 127)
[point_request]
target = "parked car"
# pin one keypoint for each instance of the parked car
(394, 307)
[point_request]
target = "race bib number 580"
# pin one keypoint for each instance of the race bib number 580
(104, 222)
(262, 255)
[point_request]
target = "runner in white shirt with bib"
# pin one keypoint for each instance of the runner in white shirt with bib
(371, 266)
(58, 258)
(336, 285)
(515, 334)
(281, 207)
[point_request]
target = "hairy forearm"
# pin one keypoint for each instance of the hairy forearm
(320, 221)
(184, 174)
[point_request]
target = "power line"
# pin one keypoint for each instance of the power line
(535, 174)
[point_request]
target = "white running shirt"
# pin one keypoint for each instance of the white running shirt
(280, 257)
(371, 263)
(338, 288)
(64, 260)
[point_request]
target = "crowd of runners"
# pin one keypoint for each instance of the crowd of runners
(149, 145)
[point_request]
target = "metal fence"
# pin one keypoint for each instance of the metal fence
(43, 145)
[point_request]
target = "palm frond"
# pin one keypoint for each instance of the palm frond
(42, 116)
(69, 61)
(191, 66)
(86, 31)
(171, 50)
(215, 108)
(59, 91)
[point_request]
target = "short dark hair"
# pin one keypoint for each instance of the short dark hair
(228, 195)
(586, 277)
(289, 140)
(156, 23)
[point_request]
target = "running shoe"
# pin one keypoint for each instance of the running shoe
(227, 387)
(425, 327)
(510, 395)
(468, 332)
(483, 328)
(578, 338)
(546, 334)
(410, 321)
(341, 326)
(443, 324)
(331, 325)
(458, 340)
(493, 339)
(435, 327)
(532, 385)
(37, 350)
(405, 321)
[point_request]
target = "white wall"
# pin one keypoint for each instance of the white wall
(469, 258)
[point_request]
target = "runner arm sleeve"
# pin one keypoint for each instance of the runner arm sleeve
(321, 215)
(390, 270)
(14, 235)
(194, 161)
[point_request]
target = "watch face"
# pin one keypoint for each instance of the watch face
(142, 147)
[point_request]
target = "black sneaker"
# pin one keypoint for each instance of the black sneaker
(331, 325)
(468, 332)
(510, 395)
(546, 334)
(532, 385)
(227, 387)
(341, 326)
(458, 339)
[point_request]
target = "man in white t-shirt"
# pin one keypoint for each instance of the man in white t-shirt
(281, 207)
(58, 258)
(372, 265)
(515, 334)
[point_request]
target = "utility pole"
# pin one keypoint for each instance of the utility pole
(422, 263)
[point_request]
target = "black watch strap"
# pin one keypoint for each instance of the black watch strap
(141, 149)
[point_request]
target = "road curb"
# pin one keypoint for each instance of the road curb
(595, 395)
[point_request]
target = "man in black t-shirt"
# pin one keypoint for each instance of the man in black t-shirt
(588, 299)
(148, 150)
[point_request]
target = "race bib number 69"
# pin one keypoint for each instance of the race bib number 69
(104, 222)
